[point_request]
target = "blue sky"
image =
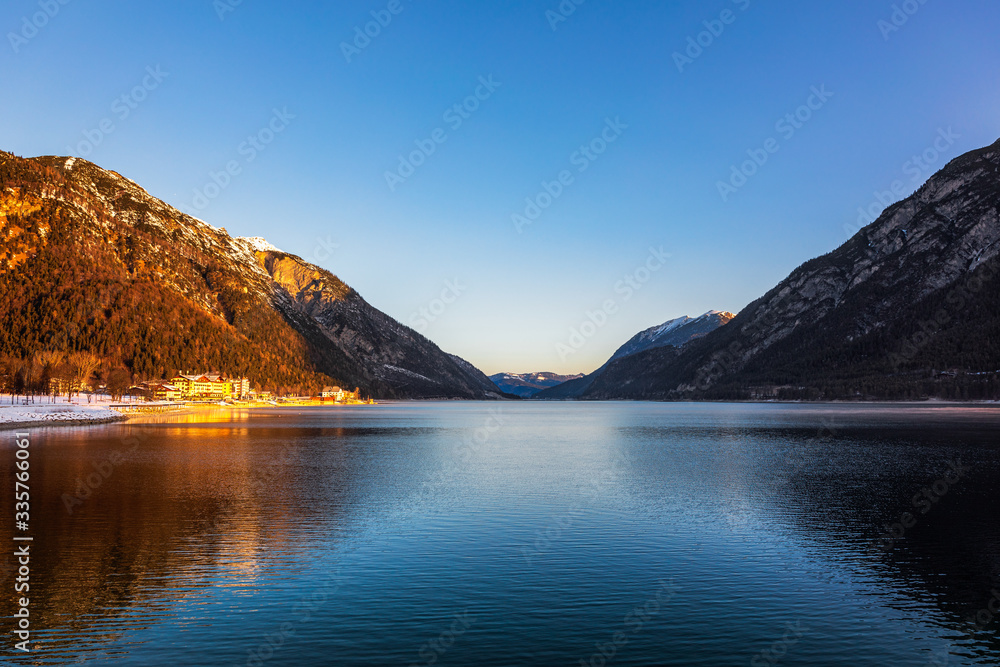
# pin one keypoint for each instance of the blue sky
(640, 137)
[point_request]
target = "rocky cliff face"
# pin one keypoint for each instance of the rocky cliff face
(878, 317)
(90, 261)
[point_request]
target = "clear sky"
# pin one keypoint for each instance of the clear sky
(184, 85)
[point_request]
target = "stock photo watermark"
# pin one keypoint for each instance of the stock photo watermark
(796, 461)
(455, 116)
(324, 250)
(562, 12)
(546, 539)
(918, 167)
(121, 108)
(924, 500)
(697, 44)
(30, 26)
(302, 612)
(266, 475)
(787, 126)
(900, 16)
(632, 625)
(364, 34)
(474, 443)
(249, 149)
(432, 651)
(985, 616)
(773, 654)
(928, 330)
(943, 659)
(223, 7)
(581, 158)
(625, 289)
(103, 470)
(421, 319)
(23, 542)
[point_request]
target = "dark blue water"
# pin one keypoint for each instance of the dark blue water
(516, 534)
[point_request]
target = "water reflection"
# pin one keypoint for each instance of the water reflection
(190, 534)
(146, 518)
(847, 480)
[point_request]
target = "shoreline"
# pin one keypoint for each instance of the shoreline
(80, 417)
(926, 402)
(43, 415)
(44, 423)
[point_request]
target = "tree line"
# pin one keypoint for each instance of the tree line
(49, 373)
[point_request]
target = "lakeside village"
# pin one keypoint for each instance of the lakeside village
(217, 388)
(114, 399)
(46, 377)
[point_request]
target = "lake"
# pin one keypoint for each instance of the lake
(516, 534)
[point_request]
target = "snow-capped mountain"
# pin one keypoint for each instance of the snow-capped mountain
(673, 334)
(527, 385)
(676, 332)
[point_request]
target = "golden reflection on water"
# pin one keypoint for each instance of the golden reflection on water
(195, 415)
(141, 515)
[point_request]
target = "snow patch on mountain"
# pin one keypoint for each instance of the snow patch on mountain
(258, 243)
(676, 332)
(667, 327)
(527, 385)
(403, 371)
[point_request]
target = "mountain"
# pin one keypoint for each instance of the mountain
(527, 385)
(908, 308)
(677, 333)
(671, 335)
(89, 261)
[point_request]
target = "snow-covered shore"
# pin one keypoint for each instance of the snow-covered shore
(23, 416)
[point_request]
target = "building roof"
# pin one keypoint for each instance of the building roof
(204, 377)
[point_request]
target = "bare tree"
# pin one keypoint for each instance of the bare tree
(17, 378)
(27, 373)
(7, 376)
(83, 365)
(49, 361)
(118, 383)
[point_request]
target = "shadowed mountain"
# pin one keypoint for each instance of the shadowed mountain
(660, 340)
(908, 308)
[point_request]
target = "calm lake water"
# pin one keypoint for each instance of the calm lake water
(516, 534)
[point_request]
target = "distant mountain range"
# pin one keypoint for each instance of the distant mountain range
(672, 335)
(89, 261)
(527, 385)
(908, 308)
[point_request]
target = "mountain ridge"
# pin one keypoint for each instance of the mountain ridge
(673, 334)
(676, 332)
(874, 318)
(91, 261)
